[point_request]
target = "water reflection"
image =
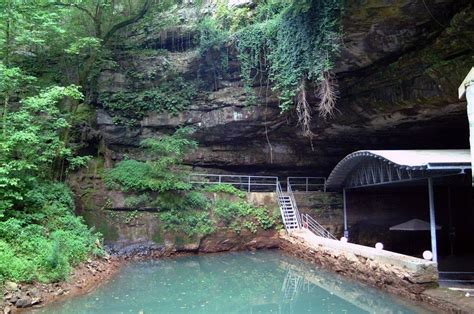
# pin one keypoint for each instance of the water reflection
(259, 282)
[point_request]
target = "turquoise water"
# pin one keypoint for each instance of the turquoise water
(245, 282)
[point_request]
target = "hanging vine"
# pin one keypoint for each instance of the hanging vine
(295, 47)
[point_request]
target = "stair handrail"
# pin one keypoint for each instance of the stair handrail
(279, 194)
(306, 221)
(315, 227)
(295, 206)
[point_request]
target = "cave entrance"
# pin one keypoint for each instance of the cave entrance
(383, 189)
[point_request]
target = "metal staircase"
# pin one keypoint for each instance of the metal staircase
(289, 211)
(292, 220)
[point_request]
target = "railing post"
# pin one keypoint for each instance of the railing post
(346, 231)
(307, 180)
(288, 184)
(220, 179)
(249, 185)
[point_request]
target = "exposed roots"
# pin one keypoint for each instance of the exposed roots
(327, 94)
(303, 110)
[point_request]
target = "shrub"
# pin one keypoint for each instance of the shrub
(45, 240)
(225, 188)
(173, 95)
(163, 173)
(241, 214)
(137, 200)
(191, 222)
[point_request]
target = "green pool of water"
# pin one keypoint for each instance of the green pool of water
(246, 282)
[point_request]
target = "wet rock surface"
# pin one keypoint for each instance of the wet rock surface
(220, 241)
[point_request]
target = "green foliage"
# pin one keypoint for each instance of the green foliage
(162, 173)
(307, 40)
(191, 222)
(30, 143)
(291, 44)
(45, 241)
(131, 216)
(231, 18)
(172, 96)
(211, 36)
(212, 47)
(197, 200)
(225, 188)
(241, 214)
(140, 200)
(179, 201)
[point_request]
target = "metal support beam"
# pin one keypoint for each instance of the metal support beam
(346, 232)
(434, 249)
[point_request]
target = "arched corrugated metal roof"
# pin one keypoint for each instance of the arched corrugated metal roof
(445, 159)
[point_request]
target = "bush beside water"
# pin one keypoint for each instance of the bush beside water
(45, 240)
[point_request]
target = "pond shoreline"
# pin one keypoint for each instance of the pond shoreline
(92, 274)
(432, 297)
(89, 275)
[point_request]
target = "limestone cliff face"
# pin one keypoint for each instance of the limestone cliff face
(398, 75)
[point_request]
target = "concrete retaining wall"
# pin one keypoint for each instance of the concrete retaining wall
(395, 273)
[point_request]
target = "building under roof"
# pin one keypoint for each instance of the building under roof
(368, 168)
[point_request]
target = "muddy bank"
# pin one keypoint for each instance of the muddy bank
(19, 297)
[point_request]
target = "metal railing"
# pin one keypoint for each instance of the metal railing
(306, 184)
(246, 183)
(293, 201)
(314, 226)
(279, 194)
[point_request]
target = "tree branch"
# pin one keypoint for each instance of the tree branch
(134, 19)
(71, 5)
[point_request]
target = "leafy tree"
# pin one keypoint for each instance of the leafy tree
(31, 143)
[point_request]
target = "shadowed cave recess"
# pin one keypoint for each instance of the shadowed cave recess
(397, 75)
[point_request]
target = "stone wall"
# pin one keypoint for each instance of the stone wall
(395, 273)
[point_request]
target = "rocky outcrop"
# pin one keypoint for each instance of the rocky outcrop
(223, 240)
(398, 75)
(228, 240)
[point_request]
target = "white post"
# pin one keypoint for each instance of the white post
(470, 116)
(467, 89)
(346, 232)
(434, 250)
